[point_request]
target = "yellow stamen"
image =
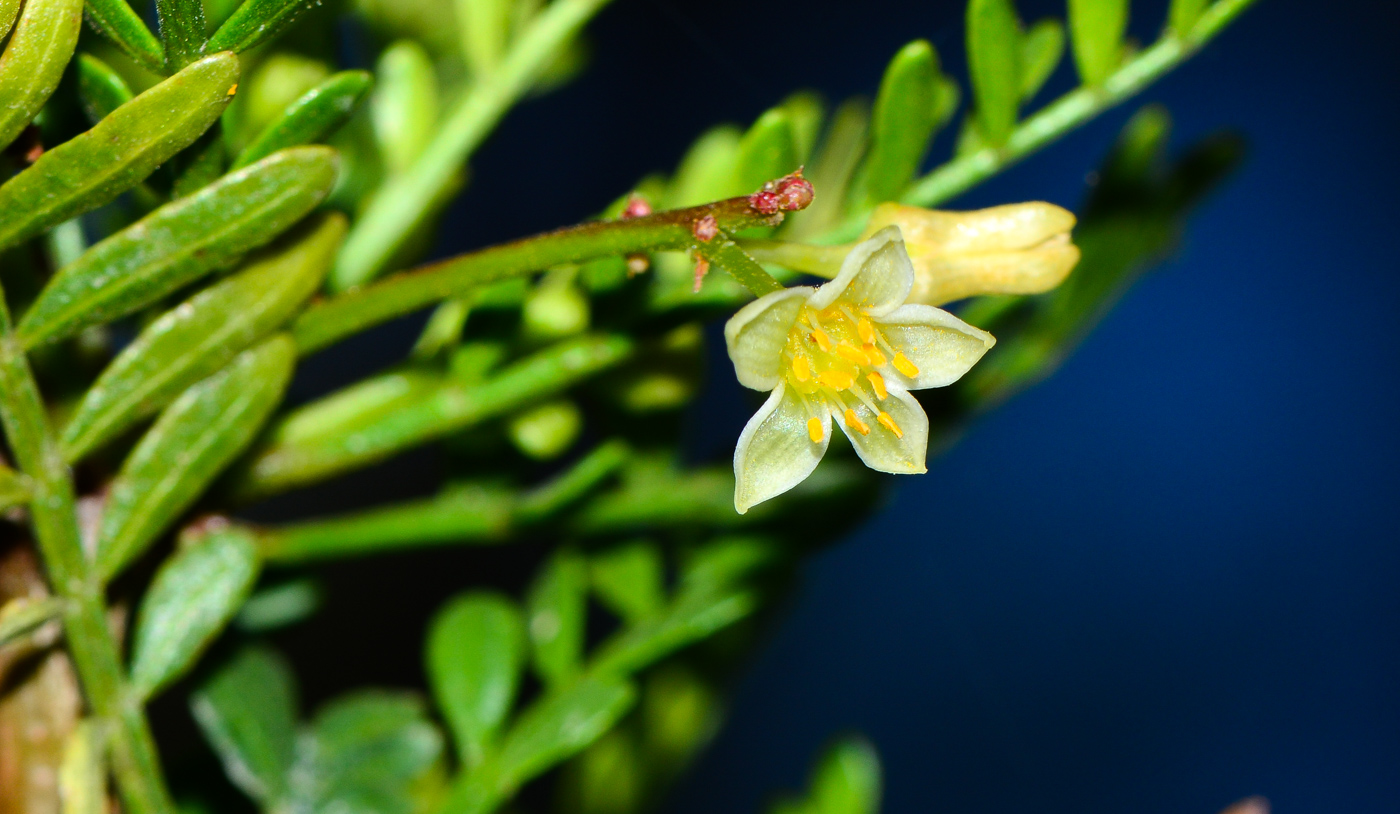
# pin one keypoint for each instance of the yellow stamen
(801, 368)
(903, 365)
(874, 355)
(823, 341)
(888, 423)
(855, 423)
(878, 382)
(853, 353)
(867, 331)
(837, 379)
(814, 430)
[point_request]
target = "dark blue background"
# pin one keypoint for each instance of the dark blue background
(1162, 580)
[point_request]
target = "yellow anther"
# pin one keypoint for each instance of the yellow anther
(801, 368)
(837, 379)
(874, 355)
(867, 331)
(888, 423)
(878, 382)
(815, 430)
(823, 341)
(903, 365)
(855, 423)
(853, 353)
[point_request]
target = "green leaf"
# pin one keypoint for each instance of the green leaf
(558, 726)
(9, 10)
(630, 580)
(903, 122)
(91, 169)
(1096, 28)
(693, 616)
(22, 616)
(993, 53)
(181, 242)
(475, 652)
(313, 117)
(191, 442)
(1041, 50)
(847, 780)
(193, 596)
(278, 606)
(485, 29)
(14, 488)
(182, 31)
(1183, 16)
(558, 605)
(707, 170)
(257, 21)
(806, 111)
(101, 90)
(404, 105)
(367, 752)
(201, 164)
(247, 711)
(201, 335)
(33, 62)
(115, 20)
(767, 151)
(833, 168)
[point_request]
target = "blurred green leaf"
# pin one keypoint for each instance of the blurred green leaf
(1096, 28)
(198, 337)
(278, 606)
(115, 20)
(993, 53)
(312, 118)
(14, 488)
(767, 151)
(21, 616)
(557, 605)
(475, 653)
(833, 168)
(404, 105)
(707, 170)
(485, 29)
(101, 90)
(9, 10)
(180, 242)
(903, 121)
(193, 596)
(91, 169)
(693, 615)
(1041, 50)
(257, 21)
(806, 111)
(33, 61)
(1184, 14)
(191, 442)
(247, 711)
(200, 164)
(182, 30)
(82, 777)
(847, 780)
(630, 580)
(547, 431)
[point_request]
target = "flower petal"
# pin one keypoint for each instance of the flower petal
(875, 276)
(776, 452)
(757, 333)
(883, 449)
(939, 344)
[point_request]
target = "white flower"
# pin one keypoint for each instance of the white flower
(851, 349)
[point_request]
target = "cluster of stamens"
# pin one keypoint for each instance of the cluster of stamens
(833, 358)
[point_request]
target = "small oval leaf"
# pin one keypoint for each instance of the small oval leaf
(201, 335)
(1041, 50)
(191, 442)
(706, 171)
(180, 242)
(193, 596)
(404, 106)
(101, 90)
(630, 580)
(558, 607)
(475, 651)
(257, 21)
(1096, 28)
(903, 121)
(311, 118)
(847, 779)
(993, 53)
(115, 20)
(91, 169)
(559, 726)
(1183, 16)
(767, 151)
(485, 27)
(33, 62)
(248, 713)
(368, 751)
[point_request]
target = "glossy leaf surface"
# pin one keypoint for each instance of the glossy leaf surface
(115, 20)
(475, 653)
(257, 21)
(39, 49)
(101, 90)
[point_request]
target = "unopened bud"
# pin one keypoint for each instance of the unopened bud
(555, 309)
(794, 192)
(764, 202)
(636, 207)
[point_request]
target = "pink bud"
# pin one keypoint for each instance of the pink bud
(764, 202)
(794, 192)
(636, 207)
(705, 229)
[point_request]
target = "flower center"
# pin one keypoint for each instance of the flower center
(834, 359)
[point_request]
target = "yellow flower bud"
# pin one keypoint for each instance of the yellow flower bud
(1013, 249)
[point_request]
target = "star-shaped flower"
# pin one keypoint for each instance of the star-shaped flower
(851, 349)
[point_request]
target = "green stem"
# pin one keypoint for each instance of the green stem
(90, 641)
(823, 261)
(402, 204)
(1072, 109)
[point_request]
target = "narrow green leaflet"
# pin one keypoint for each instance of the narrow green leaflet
(198, 337)
(313, 117)
(22, 616)
(366, 752)
(1041, 50)
(485, 27)
(91, 169)
(247, 711)
(101, 90)
(1096, 28)
(14, 488)
(257, 21)
(630, 580)
(115, 20)
(404, 105)
(993, 53)
(475, 653)
(191, 442)
(693, 616)
(82, 777)
(33, 62)
(192, 598)
(9, 10)
(903, 122)
(557, 605)
(1184, 14)
(767, 151)
(180, 242)
(182, 31)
